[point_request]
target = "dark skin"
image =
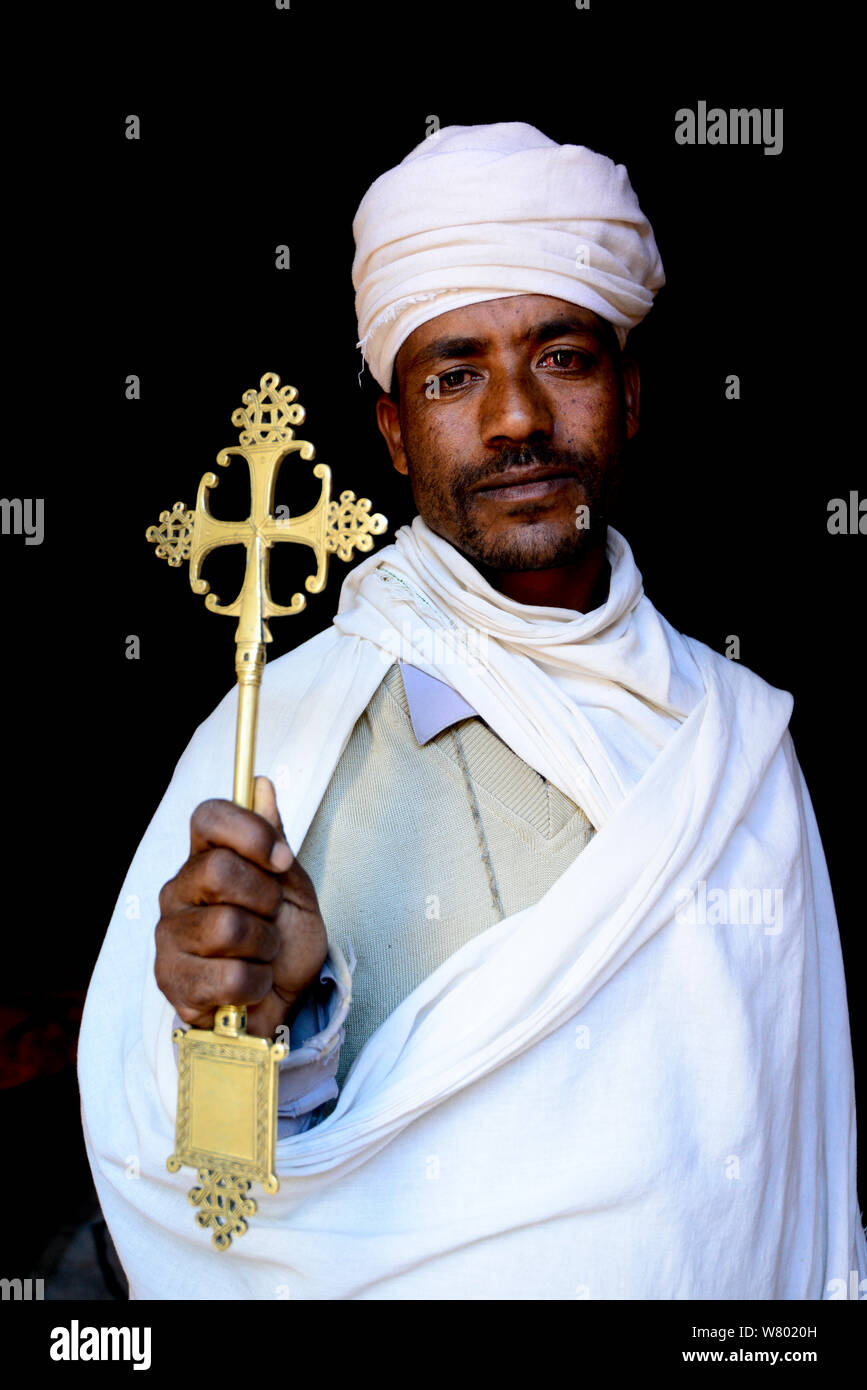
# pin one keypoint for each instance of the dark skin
(531, 420)
(236, 926)
(528, 386)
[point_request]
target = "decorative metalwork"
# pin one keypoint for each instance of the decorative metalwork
(267, 438)
(223, 1204)
(226, 1123)
(350, 525)
(174, 535)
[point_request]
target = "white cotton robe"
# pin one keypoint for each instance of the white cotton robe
(641, 1087)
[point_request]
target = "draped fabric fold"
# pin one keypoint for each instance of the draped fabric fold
(604, 1092)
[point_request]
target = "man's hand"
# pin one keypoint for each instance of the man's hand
(240, 921)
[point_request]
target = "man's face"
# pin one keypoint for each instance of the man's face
(512, 419)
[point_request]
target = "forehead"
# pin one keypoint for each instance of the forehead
(499, 322)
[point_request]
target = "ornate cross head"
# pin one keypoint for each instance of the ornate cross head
(266, 422)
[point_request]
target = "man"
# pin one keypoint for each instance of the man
(540, 897)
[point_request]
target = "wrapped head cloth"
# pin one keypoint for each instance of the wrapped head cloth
(481, 212)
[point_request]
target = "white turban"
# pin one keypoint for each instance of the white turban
(481, 212)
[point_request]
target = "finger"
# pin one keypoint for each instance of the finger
(227, 932)
(299, 895)
(265, 802)
(202, 985)
(222, 876)
(265, 805)
(216, 824)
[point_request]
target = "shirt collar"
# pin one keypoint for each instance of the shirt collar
(433, 705)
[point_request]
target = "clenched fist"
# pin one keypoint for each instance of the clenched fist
(240, 921)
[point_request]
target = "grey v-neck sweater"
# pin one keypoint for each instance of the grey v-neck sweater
(415, 850)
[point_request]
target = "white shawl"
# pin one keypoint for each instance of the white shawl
(603, 1096)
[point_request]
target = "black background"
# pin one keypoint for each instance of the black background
(262, 127)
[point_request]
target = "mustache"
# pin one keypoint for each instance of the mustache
(539, 453)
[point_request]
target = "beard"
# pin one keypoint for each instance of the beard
(537, 537)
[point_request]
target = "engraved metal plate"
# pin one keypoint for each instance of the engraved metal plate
(226, 1124)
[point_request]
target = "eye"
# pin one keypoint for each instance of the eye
(456, 377)
(577, 359)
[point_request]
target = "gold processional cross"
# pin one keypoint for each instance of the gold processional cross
(227, 1080)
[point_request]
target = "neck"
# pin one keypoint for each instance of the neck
(581, 585)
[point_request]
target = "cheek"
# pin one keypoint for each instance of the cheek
(595, 421)
(434, 440)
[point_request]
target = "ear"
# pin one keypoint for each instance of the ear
(631, 394)
(388, 419)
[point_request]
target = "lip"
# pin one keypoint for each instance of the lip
(528, 483)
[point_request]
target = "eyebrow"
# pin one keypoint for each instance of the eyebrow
(475, 347)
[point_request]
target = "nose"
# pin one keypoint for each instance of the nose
(514, 407)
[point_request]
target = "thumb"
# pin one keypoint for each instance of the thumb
(265, 804)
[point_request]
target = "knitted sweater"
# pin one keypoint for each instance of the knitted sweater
(415, 850)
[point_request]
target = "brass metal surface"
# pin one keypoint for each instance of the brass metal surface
(226, 1123)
